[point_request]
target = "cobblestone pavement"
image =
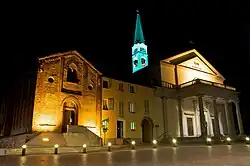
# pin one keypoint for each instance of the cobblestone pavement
(223, 155)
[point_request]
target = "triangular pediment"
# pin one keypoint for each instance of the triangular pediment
(197, 64)
(193, 59)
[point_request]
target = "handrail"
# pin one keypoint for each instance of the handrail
(192, 82)
(189, 83)
(168, 85)
(159, 137)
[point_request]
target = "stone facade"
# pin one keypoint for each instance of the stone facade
(67, 83)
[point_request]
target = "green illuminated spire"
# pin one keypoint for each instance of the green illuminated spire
(139, 38)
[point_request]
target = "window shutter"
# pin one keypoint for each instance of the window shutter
(111, 104)
(122, 109)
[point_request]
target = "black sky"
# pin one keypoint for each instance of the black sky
(103, 34)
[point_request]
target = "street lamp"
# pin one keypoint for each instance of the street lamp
(154, 143)
(247, 140)
(24, 150)
(228, 140)
(84, 148)
(209, 141)
(133, 144)
(109, 146)
(56, 148)
(174, 142)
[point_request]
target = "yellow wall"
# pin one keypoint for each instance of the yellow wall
(141, 93)
(167, 73)
(187, 74)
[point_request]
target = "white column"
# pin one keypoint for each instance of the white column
(196, 119)
(202, 117)
(239, 120)
(227, 118)
(180, 113)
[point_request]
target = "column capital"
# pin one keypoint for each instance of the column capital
(235, 101)
(213, 97)
(163, 97)
(225, 100)
(200, 94)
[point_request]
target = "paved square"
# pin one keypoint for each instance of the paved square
(224, 155)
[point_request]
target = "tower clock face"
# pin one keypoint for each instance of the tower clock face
(135, 61)
(143, 61)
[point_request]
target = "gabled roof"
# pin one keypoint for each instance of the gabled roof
(70, 53)
(179, 58)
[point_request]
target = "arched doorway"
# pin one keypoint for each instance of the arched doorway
(70, 115)
(147, 130)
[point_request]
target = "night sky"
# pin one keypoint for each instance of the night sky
(103, 34)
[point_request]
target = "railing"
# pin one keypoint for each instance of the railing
(168, 85)
(196, 81)
(207, 83)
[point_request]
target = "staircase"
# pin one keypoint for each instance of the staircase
(79, 135)
(75, 136)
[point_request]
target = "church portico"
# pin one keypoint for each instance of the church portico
(206, 116)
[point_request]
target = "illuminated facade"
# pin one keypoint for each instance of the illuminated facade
(73, 103)
(195, 99)
(68, 94)
(139, 49)
(130, 111)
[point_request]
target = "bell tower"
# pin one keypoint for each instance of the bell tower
(139, 49)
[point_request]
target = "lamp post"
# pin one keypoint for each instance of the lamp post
(209, 141)
(247, 139)
(154, 143)
(109, 146)
(133, 144)
(84, 148)
(229, 140)
(174, 142)
(56, 146)
(24, 150)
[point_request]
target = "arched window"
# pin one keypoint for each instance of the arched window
(72, 76)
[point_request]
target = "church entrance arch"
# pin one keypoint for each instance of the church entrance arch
(147, 129)
(70, 114)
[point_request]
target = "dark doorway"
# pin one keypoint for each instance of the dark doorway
(119, 129)
(66, 120)
(190, 127)
(69, 115)
(147, 131)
